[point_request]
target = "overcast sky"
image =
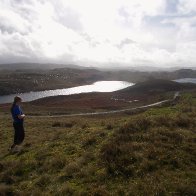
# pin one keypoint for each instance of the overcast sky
(99, 32)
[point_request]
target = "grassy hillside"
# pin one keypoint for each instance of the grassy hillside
(151, 153)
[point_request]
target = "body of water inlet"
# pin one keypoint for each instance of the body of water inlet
(186, 80)
(101, 86)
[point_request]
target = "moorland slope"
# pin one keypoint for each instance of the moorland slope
(151, 153)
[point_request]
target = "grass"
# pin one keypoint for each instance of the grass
(151, 153)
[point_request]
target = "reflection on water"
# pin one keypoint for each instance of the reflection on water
(101, 86)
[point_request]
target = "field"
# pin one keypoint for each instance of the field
(148, 153)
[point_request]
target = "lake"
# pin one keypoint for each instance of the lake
(186, 80)
(100, 86)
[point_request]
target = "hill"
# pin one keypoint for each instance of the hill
(140, 94)
(157, 85)
(37, 66)
(12, 81)
(38, 77)
(151, 153)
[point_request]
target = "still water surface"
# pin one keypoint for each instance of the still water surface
(101, 86)
(186, 80)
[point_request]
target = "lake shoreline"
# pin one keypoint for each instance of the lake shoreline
(99, 86)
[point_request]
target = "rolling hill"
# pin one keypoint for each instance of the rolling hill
(157, 85)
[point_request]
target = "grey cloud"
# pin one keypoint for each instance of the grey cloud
(125, 42)
(90, 40)
(6, 29)
(22, 28)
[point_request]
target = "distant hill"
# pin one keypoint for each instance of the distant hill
(183, 73)
(141, 76)
(44, 66)
(38, 77)
(20, 81)
(115, 68)
(158, 85)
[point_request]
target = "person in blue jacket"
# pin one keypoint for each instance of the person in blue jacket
(18, 122)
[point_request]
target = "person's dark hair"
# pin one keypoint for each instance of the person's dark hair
(16, 99)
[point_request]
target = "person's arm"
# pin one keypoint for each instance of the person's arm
(18, 113)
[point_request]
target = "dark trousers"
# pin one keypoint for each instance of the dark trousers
(19, 132)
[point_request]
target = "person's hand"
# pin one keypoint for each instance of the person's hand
(21, 116)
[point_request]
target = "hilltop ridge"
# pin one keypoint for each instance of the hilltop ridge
(157, 85)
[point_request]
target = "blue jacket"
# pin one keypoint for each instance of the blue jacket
(16, 110)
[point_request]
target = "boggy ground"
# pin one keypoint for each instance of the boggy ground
(150, 153)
